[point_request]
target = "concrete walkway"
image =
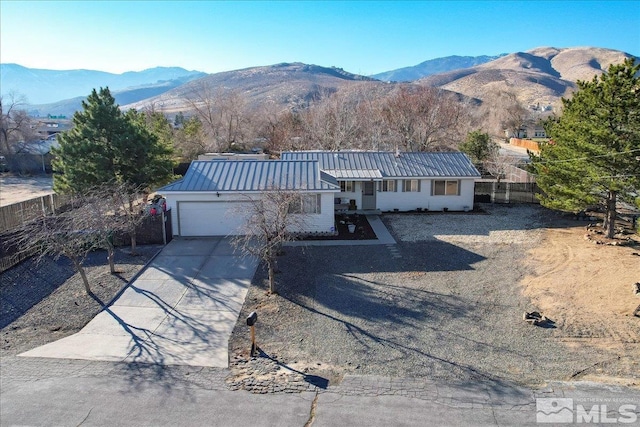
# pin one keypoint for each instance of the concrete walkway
(180, 310)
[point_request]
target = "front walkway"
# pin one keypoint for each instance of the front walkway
(180, 310)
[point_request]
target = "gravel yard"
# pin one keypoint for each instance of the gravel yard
(444, 303)
(43, 302)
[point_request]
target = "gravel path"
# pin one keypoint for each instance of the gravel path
(444, 303)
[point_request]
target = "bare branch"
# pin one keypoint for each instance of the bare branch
(273, 218)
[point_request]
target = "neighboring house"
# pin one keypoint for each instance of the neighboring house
(208, 201)
(528, 131)
(212, 199)
(49, 128)
(404, 181)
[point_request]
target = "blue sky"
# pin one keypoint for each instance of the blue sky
(359, 36)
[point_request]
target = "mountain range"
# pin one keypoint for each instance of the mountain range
(433, 66)
(49, 86)
(538, 76)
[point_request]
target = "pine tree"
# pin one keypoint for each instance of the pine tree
(106, 146)
(478, 146)
(147, 162)
(85, 155)
(594, 151)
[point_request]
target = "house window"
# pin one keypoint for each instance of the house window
(446, 188)
(347, 186)
(307, 204)
(388, 186)
(411, 185)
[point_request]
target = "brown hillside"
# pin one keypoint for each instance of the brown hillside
(542, 75)
(285, 85)
(539, 76)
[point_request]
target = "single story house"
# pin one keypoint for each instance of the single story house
(209, 199)
(388, 181)
(212, 198)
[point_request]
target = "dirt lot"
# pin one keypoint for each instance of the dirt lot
(15, 189)
(447, 302)
(587, 289)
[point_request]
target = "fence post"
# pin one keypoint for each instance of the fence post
(164, 228)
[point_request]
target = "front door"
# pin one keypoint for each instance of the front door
(368, 195)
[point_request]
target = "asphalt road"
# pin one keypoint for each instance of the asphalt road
(56, 392)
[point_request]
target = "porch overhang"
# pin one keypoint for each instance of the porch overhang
(355, 174)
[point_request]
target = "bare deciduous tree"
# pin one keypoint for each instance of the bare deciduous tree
(333, 123)
(500, 165)
(15, 123)
(283, 131)
(223, 113)
(424, 119)
(124, 201)
(109, 210)
(67, 234)
(272, 219)
(503, 112)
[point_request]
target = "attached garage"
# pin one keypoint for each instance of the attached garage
(212, 198)
(210, 218)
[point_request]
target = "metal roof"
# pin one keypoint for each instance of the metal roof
(355, 174)
(253, 175)
(390, 165)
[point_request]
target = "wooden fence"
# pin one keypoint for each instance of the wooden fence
(15, 215)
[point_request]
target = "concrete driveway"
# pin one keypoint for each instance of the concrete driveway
(180, 310)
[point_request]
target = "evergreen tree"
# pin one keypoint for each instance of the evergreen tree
(594, 151)
(107, 146)
(478, 146)
(148, 162)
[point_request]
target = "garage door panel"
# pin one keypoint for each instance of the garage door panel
(211, 218)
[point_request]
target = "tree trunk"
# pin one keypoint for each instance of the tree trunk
(271, 259)
(610, 214)
(133, 242)
(272, 278)
(110, 258)
(78, 265)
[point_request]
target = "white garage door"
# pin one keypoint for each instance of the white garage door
(210, 218)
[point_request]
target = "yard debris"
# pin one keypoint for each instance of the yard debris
(537, 319)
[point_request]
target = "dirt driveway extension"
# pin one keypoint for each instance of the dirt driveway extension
(14, 189)
(449, 306)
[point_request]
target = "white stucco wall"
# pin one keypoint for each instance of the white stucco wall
(324, 222)
(315, 223)
(405, 201)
